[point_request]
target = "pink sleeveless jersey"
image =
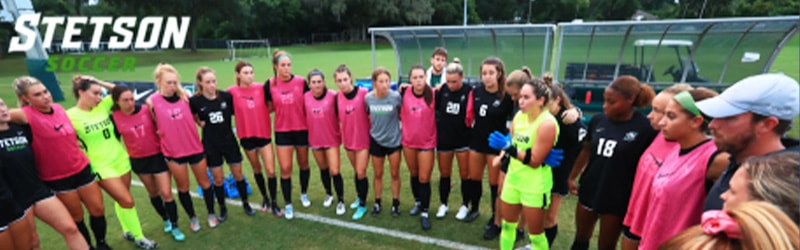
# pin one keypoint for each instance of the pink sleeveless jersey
(55, 144)
(419, 122)
(250, 111)
(321, 114)
(176, 128)
(138, 132)
(677, 196)
(651, 160)
(287, 100)
(354, 119)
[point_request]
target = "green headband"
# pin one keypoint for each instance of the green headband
(687, 102)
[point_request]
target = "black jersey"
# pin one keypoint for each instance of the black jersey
(9, 210)
(19, 169)
(215, 113)
(570, 137)
(451, 110)
(615, 150)
(490, 114)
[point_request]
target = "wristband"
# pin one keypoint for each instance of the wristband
(528, 156)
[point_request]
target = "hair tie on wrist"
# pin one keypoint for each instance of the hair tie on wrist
(715, 222)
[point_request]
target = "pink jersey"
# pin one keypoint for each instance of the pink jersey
(354, 119)
(55, 144)
(652, 159)
(677, 195)
(419, 121)
(287, 100)
(251, 112)
(176, 127)
(321, 113)
(138, 132)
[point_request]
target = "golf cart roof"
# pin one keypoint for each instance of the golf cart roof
(655, 42)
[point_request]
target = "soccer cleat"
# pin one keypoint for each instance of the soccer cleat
(223, 214)
(194, 224)
(289, 212)
(395, 210)
(328, 201)
(340, 208)
(472, 216)
(424, 222)
(102, 246)
(145, 243)
(489, 223)
(304, 200)
(167, 226)
(265, 206)
(442, 212)
(526, 247)
(415, 210)
(276, 211)
(177, 234)
(248, 210)
(360, 211)
(376, 209)
(212, 221)
(355, 203)
(462, 213)
(127, 236)
(492, 232)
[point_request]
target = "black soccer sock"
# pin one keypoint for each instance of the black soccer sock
(477, 192)
(84, 231)
(378, 201)
(580, 245)
(395, 202)
(362, 185)
(186, 203)
(465, 199)
(325, 175)
(98, 224)
(338, 184)
(551, 234)
(286, 188)
(444, 190)
(305, 175)
(241, 186)
(158, 205)
(219, 191)
(425, 196)
(273, 190)
(208, 198)
(261, 186)
(493, 200)
(172, 212)
(415, 187)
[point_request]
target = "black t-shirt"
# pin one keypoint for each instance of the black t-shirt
(19, 168)
(491, 114)
(607, 182)
(570, 137)
(451, 111)
(215, 113)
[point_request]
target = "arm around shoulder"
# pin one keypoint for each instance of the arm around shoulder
(717, 165)
(18, 116)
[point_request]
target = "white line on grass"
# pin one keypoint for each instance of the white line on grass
(356, 226)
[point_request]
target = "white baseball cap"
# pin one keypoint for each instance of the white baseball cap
(766, 94)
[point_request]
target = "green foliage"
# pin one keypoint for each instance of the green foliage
(614, 9)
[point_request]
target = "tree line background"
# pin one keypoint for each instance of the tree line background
(349, 19)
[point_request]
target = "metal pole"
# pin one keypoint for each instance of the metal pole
(374, 58)
(702, 10)
(465, 12)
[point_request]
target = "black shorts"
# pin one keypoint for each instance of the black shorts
(292, 138)
(226, 149)
(154, 164)
(11, 214)
(482, 146)
(626, 232)
(376, 149)
(451, 144)
(191, 159)
(73, 182)
(560, 176)
(253, 143)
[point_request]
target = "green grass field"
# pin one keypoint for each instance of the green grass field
(265, 231)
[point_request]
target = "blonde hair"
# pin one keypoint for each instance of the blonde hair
(775, 178)
(21, 85)
(761, 224)
(455, 69)
(677, 88)
(163, 68)
(519, 77)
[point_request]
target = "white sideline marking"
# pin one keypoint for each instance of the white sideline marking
(356, 226)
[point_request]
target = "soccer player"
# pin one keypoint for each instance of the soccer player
(135, 124)
(612, 147)
(489, 109)
(419, 140)
(20, 180)
(110, 161)
(69, 174)
(284, 92)
(180, 142)
(383, 106)
(213, 109)
(254, 129)
(436, 76)
(528, 184)
(355, 127)
(324, 137)
(684, 176)
(452, 137)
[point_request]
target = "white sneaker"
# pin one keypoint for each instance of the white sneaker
(304, 199)
(328, 201)
(194, 224)
(462, 213)
(442, 211)
(146, 243)
(526, 247)
(212, 220)
(340, 210)
(288, 212)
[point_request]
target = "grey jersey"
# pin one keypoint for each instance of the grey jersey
(384, 116)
